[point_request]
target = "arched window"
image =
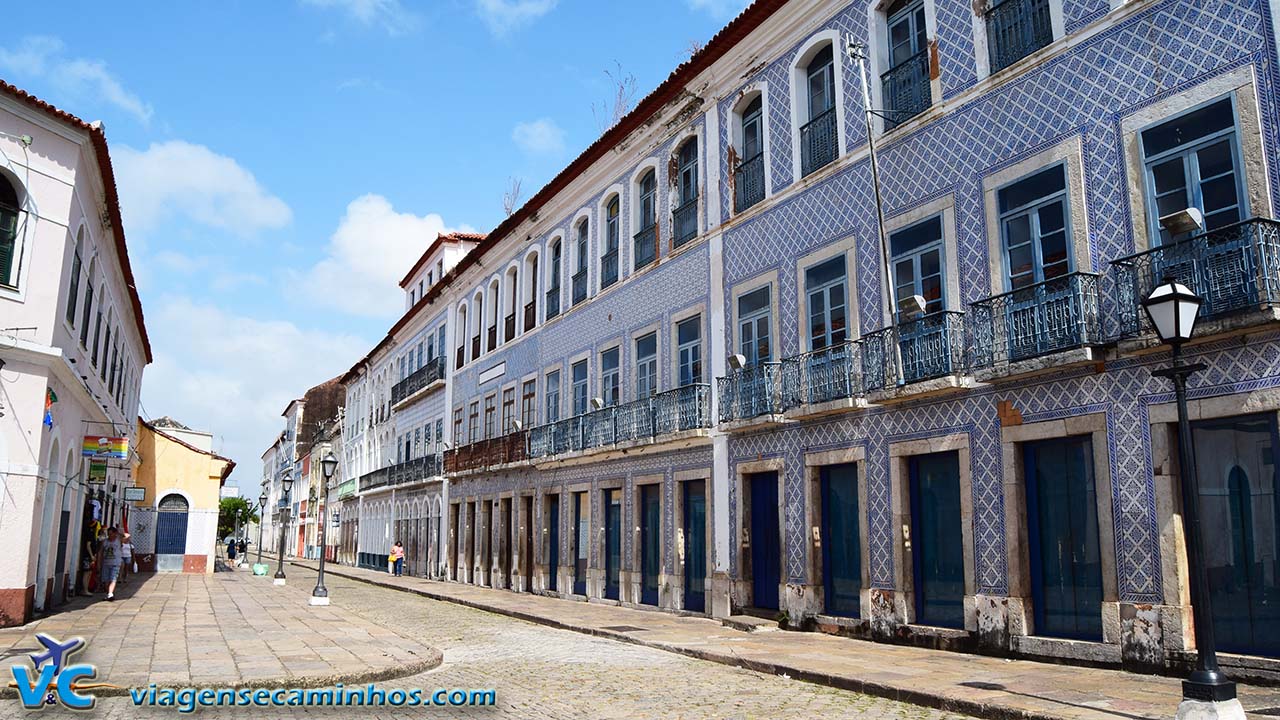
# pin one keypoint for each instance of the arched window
(9, 259)
(477, 321)
(580, 262)
(748, 176)
(495, 291)
(530, 294)
(818, 140)
(609, 258)
(684, 219)
(88, 304)
(646, 240)
(461, 331)
(73, 287)
(512, 303)
(553, 279)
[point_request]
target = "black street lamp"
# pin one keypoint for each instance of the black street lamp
(262, 513)
(285, 482)
(328, 466)
(1173, 309)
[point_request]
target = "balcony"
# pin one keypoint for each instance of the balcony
(1014, 334)
(818, 144)
(1234, 269)
(646, 243)
(579, 286)
(530, 316)
(684, 223)
(348, 488)
(748, 183)
(509, 327)
(751, 396)
(553, 302)
(430, 373)
(609, 268)
(823, 381)
(403, 473)
(1015, 29)
(930, 351)
(374, 480)
(662, 418)
(906, 90)
(488, 454)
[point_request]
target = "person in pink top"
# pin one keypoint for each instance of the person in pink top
(397, 552)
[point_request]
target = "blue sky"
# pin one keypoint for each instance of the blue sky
(282, 163)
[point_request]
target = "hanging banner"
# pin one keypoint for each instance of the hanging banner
(97, 472)
(105, 448)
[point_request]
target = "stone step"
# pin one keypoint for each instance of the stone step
(750, 623)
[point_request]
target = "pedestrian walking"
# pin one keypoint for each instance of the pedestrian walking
(397, 557)
(89, 564)
(126, 556)
(110, 559)
(231, 550)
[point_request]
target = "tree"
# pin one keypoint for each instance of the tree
(611, 111)
(511, 198)
(231, 508)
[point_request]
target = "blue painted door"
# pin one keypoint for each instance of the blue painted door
(650, 545)
(937, 546)
(695, 541)
(841, 540)
(171, 533)
(582, 541)
(1062, 533)
(612, 543)
(553, 540)
(1240, 526)
(766, 553)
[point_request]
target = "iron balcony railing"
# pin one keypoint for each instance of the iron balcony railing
(375, 479)
(509, 327)
(609, 268)
(480, 454)
(646, 243)
(579, 286)
(818, 144)
(748, 182)
(414, 470)
(1015, 29)
(929, 347)
(821, 376)
(1048, 317)
(461, 357)
(493, 336)
(684, 222)
(530, 315)
(475, 347)
(1232, 269)
(553, 302)
(906, 90)
(751, 392)
(432, 371)
(685, 408)
(348, 488)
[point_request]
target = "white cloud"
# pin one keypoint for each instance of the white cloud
(539, 137)
(369, 253)
(42, 56)
(388, 15)
(719, 9)
(233, 375)
(177, 178)
(503, 16)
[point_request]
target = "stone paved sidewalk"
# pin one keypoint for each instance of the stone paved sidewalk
(971, 684)
(229, 629)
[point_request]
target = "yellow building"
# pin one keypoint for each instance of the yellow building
(175, 523)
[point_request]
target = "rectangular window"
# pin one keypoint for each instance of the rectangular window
(473, 421)
(753, 326)
(508, 410)
(646, 365)
(1192, 161)
(1033, 226)
(689, 350)
(579, 371)
(552, 396)
(529, 404)
(417, 443)
(905, 86)
(457, 424)
(1015, 29)
(610, 377)
(917, 264)
(490, 416)
(824, 285)
(440, 431)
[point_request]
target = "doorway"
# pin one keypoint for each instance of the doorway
(526, 531)
(841, 540)
(171, 533)
(582, 541)
(765, 539)
(612, 543)
(650, 542)
(553, 542)
(938, 546)
(695, 545)
(504, 545)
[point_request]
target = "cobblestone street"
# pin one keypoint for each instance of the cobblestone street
(541, 672)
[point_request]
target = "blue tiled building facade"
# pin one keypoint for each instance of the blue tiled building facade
(697, 372)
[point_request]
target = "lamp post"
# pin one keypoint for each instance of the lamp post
(262, 513)
(285, 483)
(328, 466)
(1173, 309)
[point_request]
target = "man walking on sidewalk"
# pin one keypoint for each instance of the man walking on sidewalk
(110, 557)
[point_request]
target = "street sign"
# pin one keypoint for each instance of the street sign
(135, 494)
(231, 491)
